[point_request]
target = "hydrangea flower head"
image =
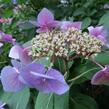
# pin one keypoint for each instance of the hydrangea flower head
(59, 43)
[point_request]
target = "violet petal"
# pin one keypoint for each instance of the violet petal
(101, 77)
(10, 79)
(52, 81)
(45, 16)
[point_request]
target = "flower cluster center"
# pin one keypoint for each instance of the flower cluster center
(60, 43)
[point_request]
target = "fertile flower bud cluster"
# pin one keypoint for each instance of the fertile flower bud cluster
(60, 43)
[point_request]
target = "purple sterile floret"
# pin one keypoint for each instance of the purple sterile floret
(33, 75)
(46, 81)
(68, 24)
(6, 38)
(21, 53)
(99, 32)
(45, 21)
(101, 77)
(11, 79)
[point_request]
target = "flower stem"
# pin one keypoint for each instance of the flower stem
(74, 57)
(66, 69)
(79, 76)
(97, 63)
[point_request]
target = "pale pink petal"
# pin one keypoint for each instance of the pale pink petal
(24, 57)
(1, 44)
(65, 25)
(20, 53)
(77, 25)
(14, 52)
(42, 30)
(68, 24)
(99, 32)
(56, 24)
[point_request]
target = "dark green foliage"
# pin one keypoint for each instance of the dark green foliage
(52, 101)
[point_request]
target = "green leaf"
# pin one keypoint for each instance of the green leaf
(17, 100)
(79, 11)
(86, 22)
(52, 101)
(44, 101)
(45, 61)
(61, 101)
(7, 1)
(70, 64)
(25, 25)
(87, 67)
(104, 18)
(60, 65)
(103, 58)
(37, 4)
(27, 44)
(8, 13)
(80, 101)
